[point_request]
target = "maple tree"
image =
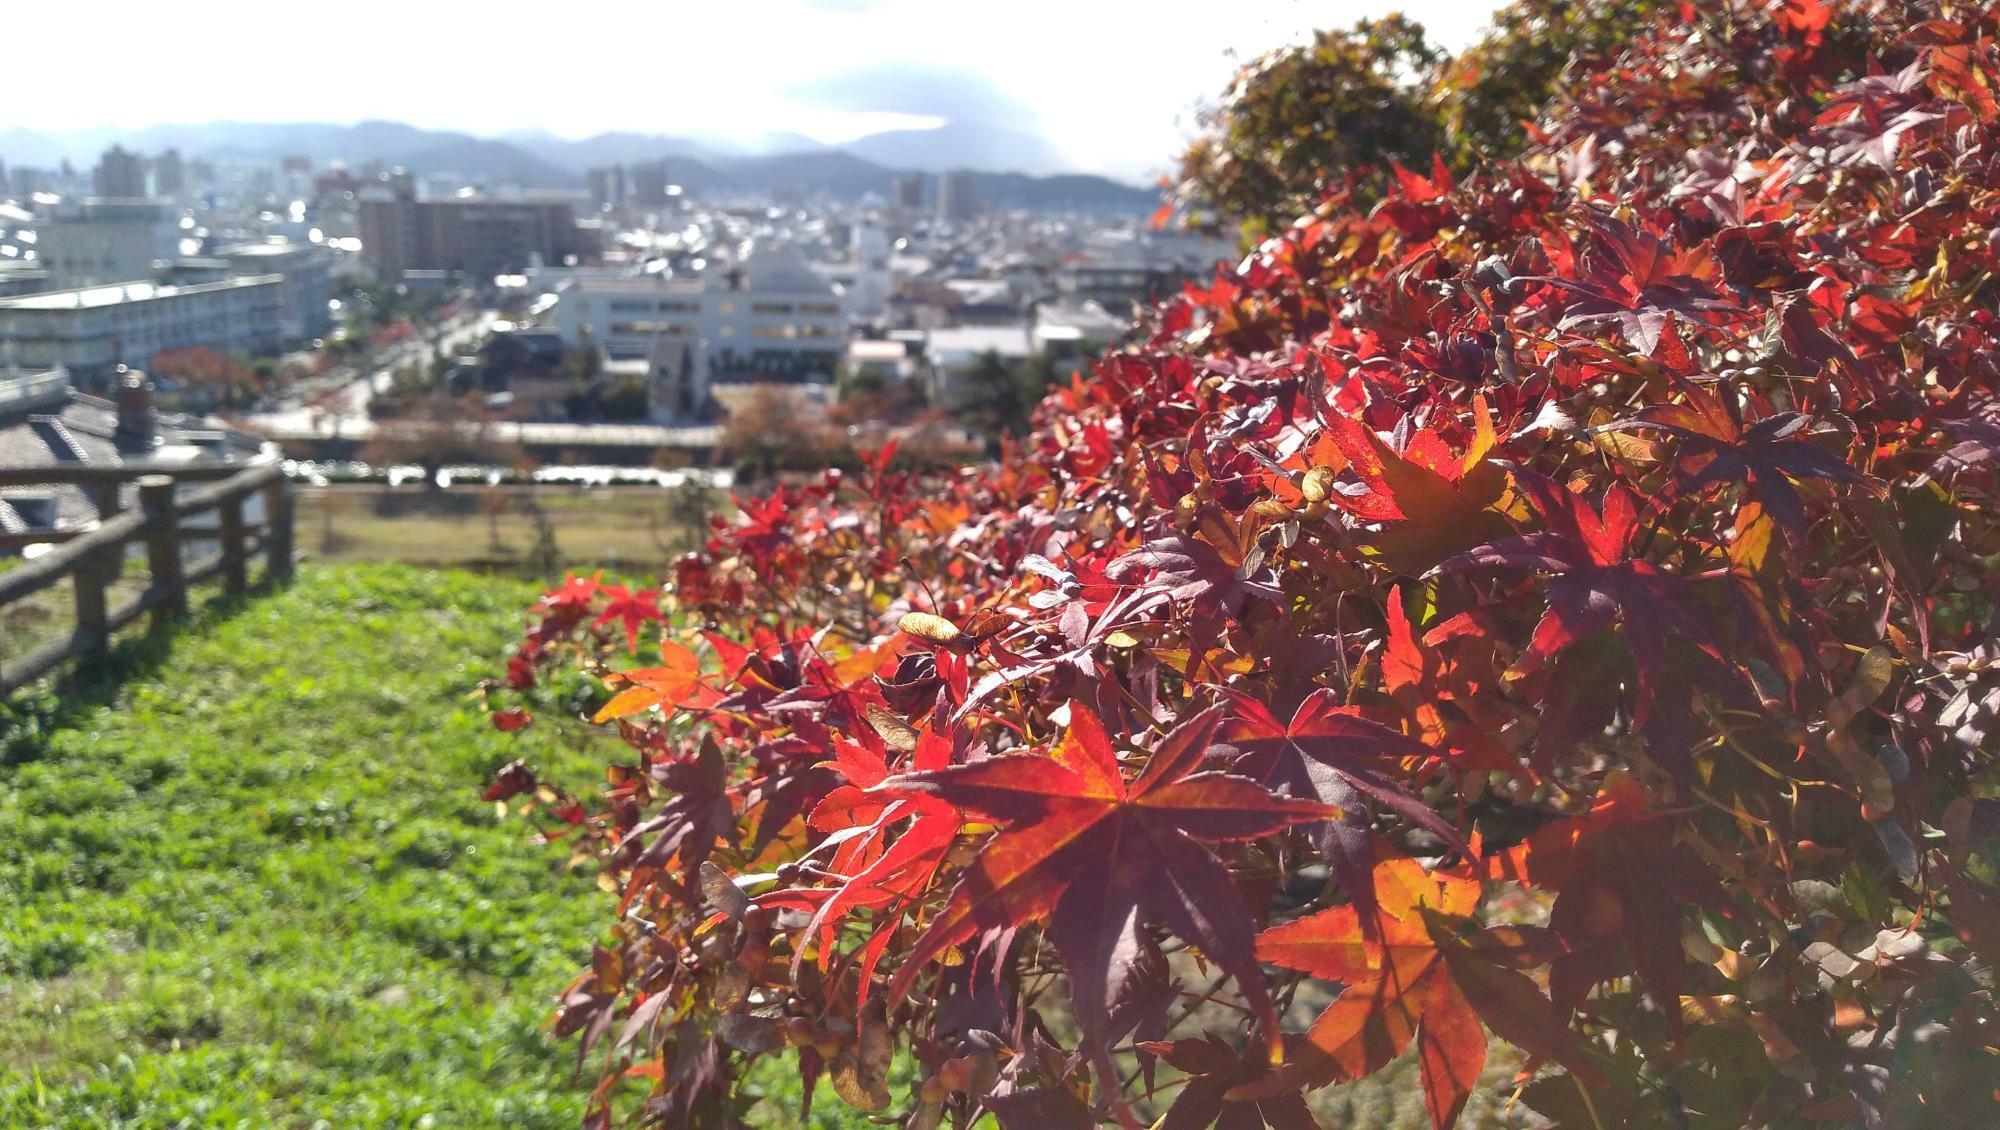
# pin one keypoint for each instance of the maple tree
(1554, 604)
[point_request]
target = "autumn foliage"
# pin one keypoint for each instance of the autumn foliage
(1555, 604)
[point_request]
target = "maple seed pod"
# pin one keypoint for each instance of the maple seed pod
(1271, 508)
(826, 1044)
(925, 626)
(799, 1031)
(1317, 485)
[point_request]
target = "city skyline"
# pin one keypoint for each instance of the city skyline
(840, 70)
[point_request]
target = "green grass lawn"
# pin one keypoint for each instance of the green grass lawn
(251, 882)
(625, 529)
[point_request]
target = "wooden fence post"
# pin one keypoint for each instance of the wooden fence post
(163, 543)
(105, 497)
(278, 529)
(93, 611)
(229, 526)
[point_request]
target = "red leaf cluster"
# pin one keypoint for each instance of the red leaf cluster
(1554, 604)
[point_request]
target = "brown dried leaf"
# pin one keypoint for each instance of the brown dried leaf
(861, 1070)
(722, 893)
(895, 733)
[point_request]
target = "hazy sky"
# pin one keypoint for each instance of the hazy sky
(1113, 83)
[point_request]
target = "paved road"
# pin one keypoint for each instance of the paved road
(346, 413)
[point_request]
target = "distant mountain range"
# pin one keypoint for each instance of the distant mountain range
(1011, 168)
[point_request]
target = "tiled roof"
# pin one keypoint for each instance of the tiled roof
(81, 432)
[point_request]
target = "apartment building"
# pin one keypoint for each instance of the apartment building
(92, 330)
(304, 297)
(478, 235)
(119, 173)
(768, 318)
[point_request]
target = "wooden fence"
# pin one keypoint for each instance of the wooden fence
(95, 558)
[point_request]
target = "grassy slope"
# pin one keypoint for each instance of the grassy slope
(257, 886)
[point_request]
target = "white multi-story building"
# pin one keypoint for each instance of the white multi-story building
(307, 268)
(768, 318)
(92, 330)
(871, 282)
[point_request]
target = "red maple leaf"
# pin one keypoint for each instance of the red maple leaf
(1597, 582)
(1429, 981)
(632, 608)
(891, 844)
(574, 593)
(666, 686)
(1333, 755)
(1211, 1095)
(1095, 856)
(1218, 566)
(1717, 446)
(1612, 926)
(1437, 681)
(1632, 279)
(507, 721)
(687, 827)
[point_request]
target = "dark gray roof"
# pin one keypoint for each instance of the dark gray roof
(80, 432)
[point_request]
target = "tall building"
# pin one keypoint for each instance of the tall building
(869, 280)
(480, 236)
(607, 187)
(906, 191)
(649, 184)
(24, 181)
(120, 174)
(169, 174)
(955, 198)
(94, 241)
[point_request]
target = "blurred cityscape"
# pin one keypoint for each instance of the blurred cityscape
(760, 314)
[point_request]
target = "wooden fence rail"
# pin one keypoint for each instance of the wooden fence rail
(95, 558)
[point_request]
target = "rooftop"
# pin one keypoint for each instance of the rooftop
(631, 284)
(111, 208)
(864, 350)
(264, 250)
(958, 343)
(114, 294)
